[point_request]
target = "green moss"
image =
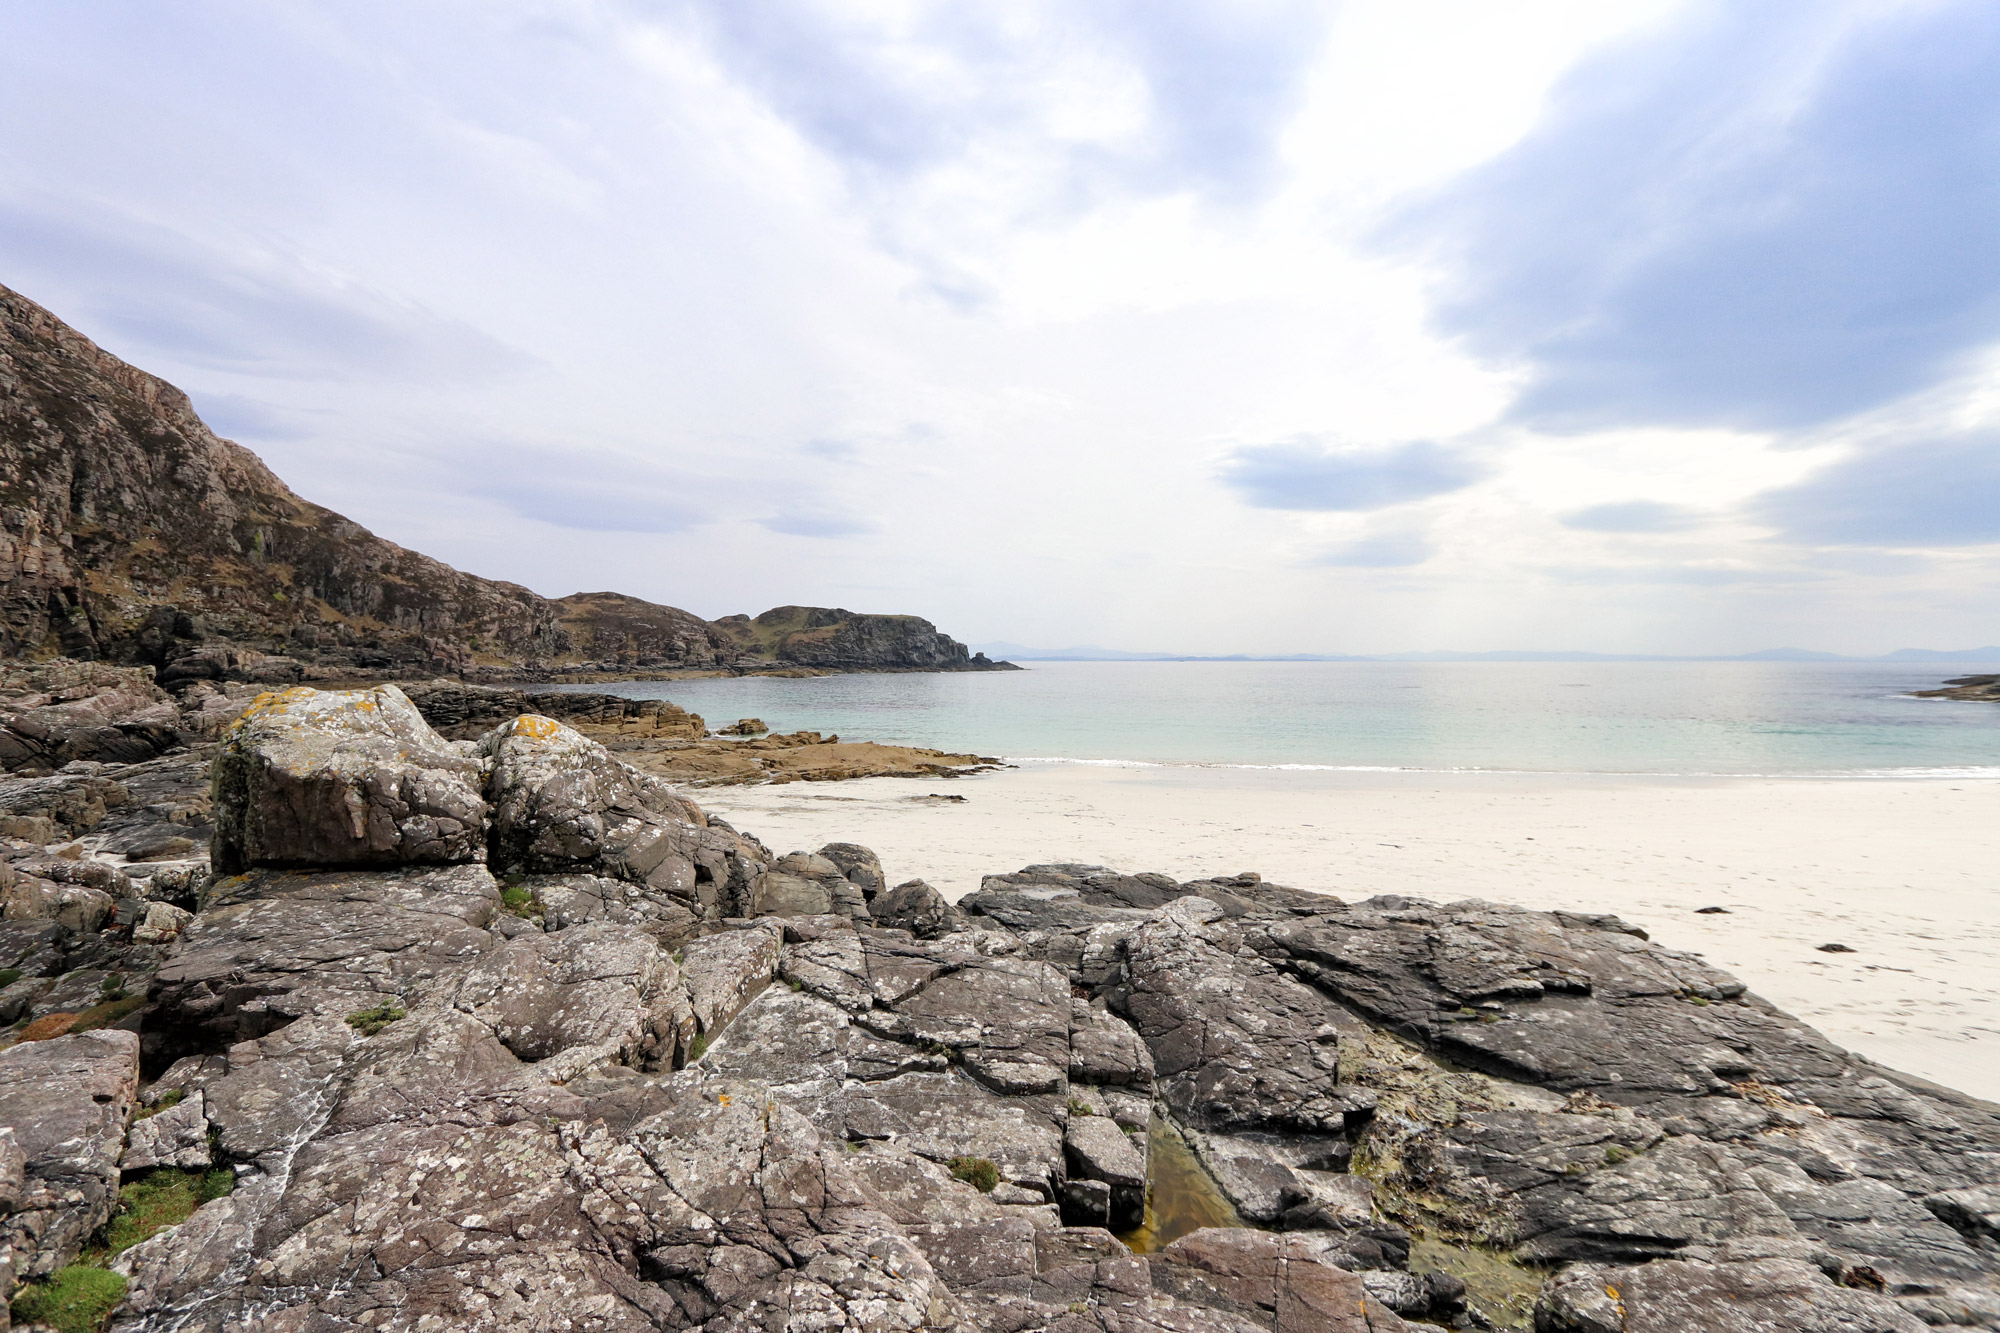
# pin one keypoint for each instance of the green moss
(1078, 1106)
(9, 975)
(1617, 1153)
(518, 901)
(173, 1098)
(698, 1047)
(977, 1172)
(78, 1299)
(368, 1022)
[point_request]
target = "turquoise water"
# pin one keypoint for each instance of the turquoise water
(1602, 717)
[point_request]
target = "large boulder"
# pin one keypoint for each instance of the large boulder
(563, 805)
(337, 778)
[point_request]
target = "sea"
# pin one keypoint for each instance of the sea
(1819, 719)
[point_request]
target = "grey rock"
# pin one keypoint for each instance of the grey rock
(13, 1170)
(1105, 1049)
(580, 998)
(161, 923)
(74, 906)
(1237, 1044)
(67, 1101)
(1291, 1180)
(177, 1136)
(779, 894)
(573, 900)
(271, 947)
(563, 805)
(1771, 1296)
(1975, 1211)
(1098, 1150)
(918, 908)
(1088, 1203)
(724, 971)
(343, 778)
(861, 867)
(947, 1115)
(833, 967)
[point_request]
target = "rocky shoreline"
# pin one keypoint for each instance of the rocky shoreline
(425, 1012)
(1965, 687)
(54, 714)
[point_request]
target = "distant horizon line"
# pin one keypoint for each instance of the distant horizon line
(1001, 649)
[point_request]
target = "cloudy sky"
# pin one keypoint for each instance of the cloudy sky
(1200, 325)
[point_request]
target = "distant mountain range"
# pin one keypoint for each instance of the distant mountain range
(1091, 653)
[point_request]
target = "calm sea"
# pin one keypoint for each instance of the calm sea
(1606, 717)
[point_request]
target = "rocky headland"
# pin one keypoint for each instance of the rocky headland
(1965, 687)
(131, 534)
(380, 1019)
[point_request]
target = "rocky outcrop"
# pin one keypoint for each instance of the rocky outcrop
(632, 1071)
(1965, 687)
(466, 712)
(57, 713)
(1548, 1084)
(834, 638)
(129, 532)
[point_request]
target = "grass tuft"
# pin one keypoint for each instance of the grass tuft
(977, 1172)
(170, 1099)
(77, 1299)
(370, 1021)
(157, 1200)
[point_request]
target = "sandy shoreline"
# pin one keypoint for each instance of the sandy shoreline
(1905, 872)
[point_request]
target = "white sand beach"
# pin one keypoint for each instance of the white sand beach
(1906, 873)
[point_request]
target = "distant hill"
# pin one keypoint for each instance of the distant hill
(130, 532)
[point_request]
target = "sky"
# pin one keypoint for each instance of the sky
(1653, 326)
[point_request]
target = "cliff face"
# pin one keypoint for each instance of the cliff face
(130, 532)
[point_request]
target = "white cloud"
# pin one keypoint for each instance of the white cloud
(1001, 287)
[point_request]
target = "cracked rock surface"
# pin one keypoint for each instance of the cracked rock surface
(610, 1064)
